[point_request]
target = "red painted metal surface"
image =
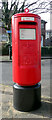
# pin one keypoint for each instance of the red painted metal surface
(26, 54)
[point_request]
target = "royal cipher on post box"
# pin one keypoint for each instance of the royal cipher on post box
(26, 60)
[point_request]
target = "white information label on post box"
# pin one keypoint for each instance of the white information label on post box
(27, 18)
(27, 34)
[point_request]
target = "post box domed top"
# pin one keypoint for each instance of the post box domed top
(26, 14)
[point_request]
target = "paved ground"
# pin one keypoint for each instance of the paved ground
(6, 98)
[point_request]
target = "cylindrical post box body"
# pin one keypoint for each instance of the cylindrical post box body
(26, 61)
(26, 48)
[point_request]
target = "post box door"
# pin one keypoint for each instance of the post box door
(28, 54)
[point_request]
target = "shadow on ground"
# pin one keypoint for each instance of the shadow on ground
(8, 110)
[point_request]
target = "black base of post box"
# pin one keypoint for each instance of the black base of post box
(26, 98)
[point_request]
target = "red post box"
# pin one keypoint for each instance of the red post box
(26, 60)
